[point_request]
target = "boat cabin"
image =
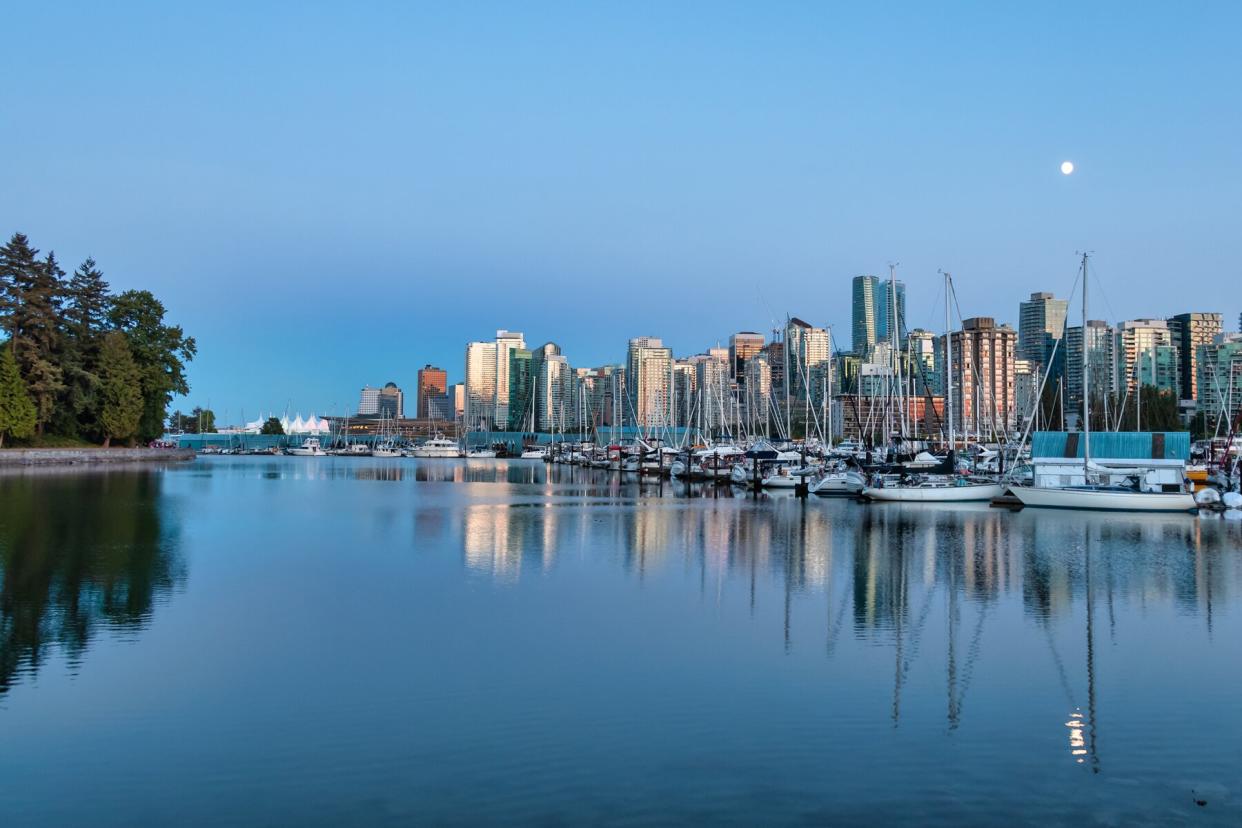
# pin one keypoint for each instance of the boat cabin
(1156, 459)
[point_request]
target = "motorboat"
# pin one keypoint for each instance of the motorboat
(310, 448)
(435, 447)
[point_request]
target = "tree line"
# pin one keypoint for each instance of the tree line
(76, 360)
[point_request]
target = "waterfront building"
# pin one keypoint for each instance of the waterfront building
(506, 342)
(605, 394)
(458, 392)
(863, 314)
(391, 401)
(523, 375)
(1160, 367)
(1219, 364)
(757, 391)
(432, 382)
(368, 402)
(1137, 337)
(555, 399)
(438, 407)
(775, 352)
(1027, 376)
(892, 300)
(685, 386)
(1041, 324)
(1101, 352)
(1189, 332)
(743, 346)
(714, 389)
(479, 403)
(922, 362)
(649, 383)
(983, 377)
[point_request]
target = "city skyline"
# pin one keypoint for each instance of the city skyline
(456, 171)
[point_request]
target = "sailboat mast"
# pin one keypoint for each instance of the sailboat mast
(1086, 380)
(948, 358)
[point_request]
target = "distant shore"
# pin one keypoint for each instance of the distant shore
(10, 458)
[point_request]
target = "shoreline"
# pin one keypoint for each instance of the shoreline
(95, 456)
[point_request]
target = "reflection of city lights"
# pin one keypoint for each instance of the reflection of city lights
(1078, 743)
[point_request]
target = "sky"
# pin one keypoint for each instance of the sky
(328, 195)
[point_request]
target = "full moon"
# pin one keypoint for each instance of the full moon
(1067, 167)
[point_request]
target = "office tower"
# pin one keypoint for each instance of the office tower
(1189, 331)
(685, 387)
(391, 401)
(983, 377)
(523, 376)
(863, 313)
(1219, 364)
(649, 383)
(432, 382)
(555, 398)
(757, 391)
(368, 403)
(1144, 337)
(458, 392)
(922, 362)
(743, 346)
(506, 342)
(1100, 347)
(713, 386)
(479, 396)
(1041, 324)
(892, 300)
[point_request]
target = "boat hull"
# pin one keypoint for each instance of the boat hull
(1108, 501)
(935, 494)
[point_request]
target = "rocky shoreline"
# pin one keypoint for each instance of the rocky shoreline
(10, 458)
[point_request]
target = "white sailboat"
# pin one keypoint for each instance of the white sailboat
(1102, 496)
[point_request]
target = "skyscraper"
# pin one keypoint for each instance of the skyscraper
(1100, 349)
(480, 387)
(1143, 337)
(1190, 331)
(742, 346)
(892, 300)
(1219, 364)
(805, 347)
(863, 313)
(983, 376)
(432, 382)
(368, 402)
(649, 383)
(1041, 323)
(506, 342)
(391, 402)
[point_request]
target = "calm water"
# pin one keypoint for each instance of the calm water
(326, 641)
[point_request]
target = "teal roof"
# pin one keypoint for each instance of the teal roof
(1114, 445)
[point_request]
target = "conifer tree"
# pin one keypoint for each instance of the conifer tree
(31, 306)
(17, 412)
(120, 389)
(85, 319)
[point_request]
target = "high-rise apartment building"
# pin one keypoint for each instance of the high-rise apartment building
(805, 347)
(863, 314)
(743, 345)
(506, 342)
(890, 313)
(556, 409)
(1190, 331)
(757, 390)
(1100, 349)
(983, 376)
(1041, 324)
(479, 404)
(923, 361)
(1219, 364)
(649, 383)
(432, 382)
(714, 390)
(1137, 337)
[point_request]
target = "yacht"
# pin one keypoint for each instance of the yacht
(838, 481)
(437, 446)
(310, 448)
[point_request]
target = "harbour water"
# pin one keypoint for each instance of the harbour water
(309, 641)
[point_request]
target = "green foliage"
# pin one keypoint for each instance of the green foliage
(31, 304)
(198, 421)
(84, 322)
(17, 411)
(120, 389)
(160, 352)
(272, 426)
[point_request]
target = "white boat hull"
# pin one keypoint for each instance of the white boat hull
(847, 484)
(1112, 501)
(935, 494)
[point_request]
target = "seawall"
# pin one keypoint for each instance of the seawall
(90, 456)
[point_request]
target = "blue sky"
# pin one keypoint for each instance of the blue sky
(327, 195)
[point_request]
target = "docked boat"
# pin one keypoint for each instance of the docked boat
(1105, 498)
(936, 489)
(310, 448)
(839, 481)
(435, 447)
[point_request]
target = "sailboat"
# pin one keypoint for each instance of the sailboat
(1105, 496)
(951, 488)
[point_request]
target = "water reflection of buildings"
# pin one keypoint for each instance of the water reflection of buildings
(77, 553)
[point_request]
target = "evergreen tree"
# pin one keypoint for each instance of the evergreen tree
(272, 426)
(33, 292)
(85, 320)
(160, 352)
(17, 412)
(120, 389)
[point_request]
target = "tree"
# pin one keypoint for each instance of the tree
(160, 352)
(84, 322)
(17, 411)
(182, 423)
(31, 305)
(204, 420)
(120, 389)
(272, 426)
